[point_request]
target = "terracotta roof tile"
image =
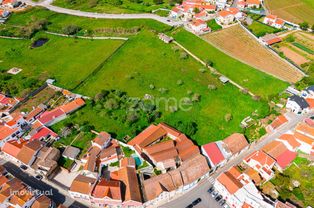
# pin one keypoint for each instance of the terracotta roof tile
(105, 188)
(83, 184)
(235, 143)
(213, 152)
(72, 106)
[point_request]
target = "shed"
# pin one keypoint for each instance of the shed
(165, 38)
(71, 152)
(223, 79)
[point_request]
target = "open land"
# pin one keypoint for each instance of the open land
(296, 11)
(245, 75)
(252, 53)
(133, 67)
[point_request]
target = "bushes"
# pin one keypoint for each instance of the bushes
(71, 29)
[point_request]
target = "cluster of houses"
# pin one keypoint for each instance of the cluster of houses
(7, 103)
(250, 4)
(113, 177)
(15, 193)
(238, 186)
(301, 102)
(26, 138)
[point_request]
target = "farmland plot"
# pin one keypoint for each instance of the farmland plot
(236, 42)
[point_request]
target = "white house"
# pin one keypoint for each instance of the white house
(262, 163)
(274, 21)
(225, 17)
(297, 104)
(199, 26)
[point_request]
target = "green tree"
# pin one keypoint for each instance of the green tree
(71, 29)
(158, 1)
(304, 25)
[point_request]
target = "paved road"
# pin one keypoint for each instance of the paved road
(56, 195)
(201, 189)
(47, 4)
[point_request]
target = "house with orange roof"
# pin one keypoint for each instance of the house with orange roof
(253, 4)
(305, 129)
(241, 4)
(225, 17)
(215, 154)
(102, 140)
(305, 141)
(262, 163)
(199, 26)
(81, 187)
(72, 106)
(168, 184)
(35, 113)
(29, 151)
(43, 202)
(235, 144)
(274, 21)
(278, 151)
(12, 148)
(279, 121)
(7, 134)
(238, 189)
(290, 142)
(7, 103)
(107, 193)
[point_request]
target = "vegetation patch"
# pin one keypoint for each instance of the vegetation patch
(260, 29)
(212, 24)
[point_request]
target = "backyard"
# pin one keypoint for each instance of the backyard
(259, 29)
(296, 11)
(252, 53)
(295, 184)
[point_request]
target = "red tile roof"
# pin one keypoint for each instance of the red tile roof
(310, 101)
(213, 152)
(43, 133)
(49, 116)
(230, 182)
(261, 158)
(253, 2)
(235, 143)
(73, 105)
(290, 139)
(82, 184)
(224, 13)
(13, 147)
(286, 158)
(105, 188)
(6, 131)
(280, 120)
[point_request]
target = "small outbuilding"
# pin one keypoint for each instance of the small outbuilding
(165, 38)
(223, 79)
(71, 152)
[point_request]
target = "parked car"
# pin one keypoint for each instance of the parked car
(218, 198)
(23, 167)
(214, 194)
(222, 202)
(195, 202)
(39, 177)
(211, 189)
(190, 206)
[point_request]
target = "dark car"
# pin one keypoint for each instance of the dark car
(222, 202)
(23, 167)
(218, 198)
(39, 177)
(189, 206)
(211, 189)
(195, 202)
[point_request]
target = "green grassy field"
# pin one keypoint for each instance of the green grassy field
(67, 60)
(112, 6)
(260, 29)
(99, 27)
(258, 82)
(145, 60)
(292, 10)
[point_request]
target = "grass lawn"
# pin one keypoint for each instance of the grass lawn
(212, 24)
(258, 82)
(304, 174)
(65, 162)
(260, 29)
(145, 60)
(107, 6)
(75, 58)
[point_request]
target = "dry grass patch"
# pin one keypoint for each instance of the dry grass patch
(236, 42)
